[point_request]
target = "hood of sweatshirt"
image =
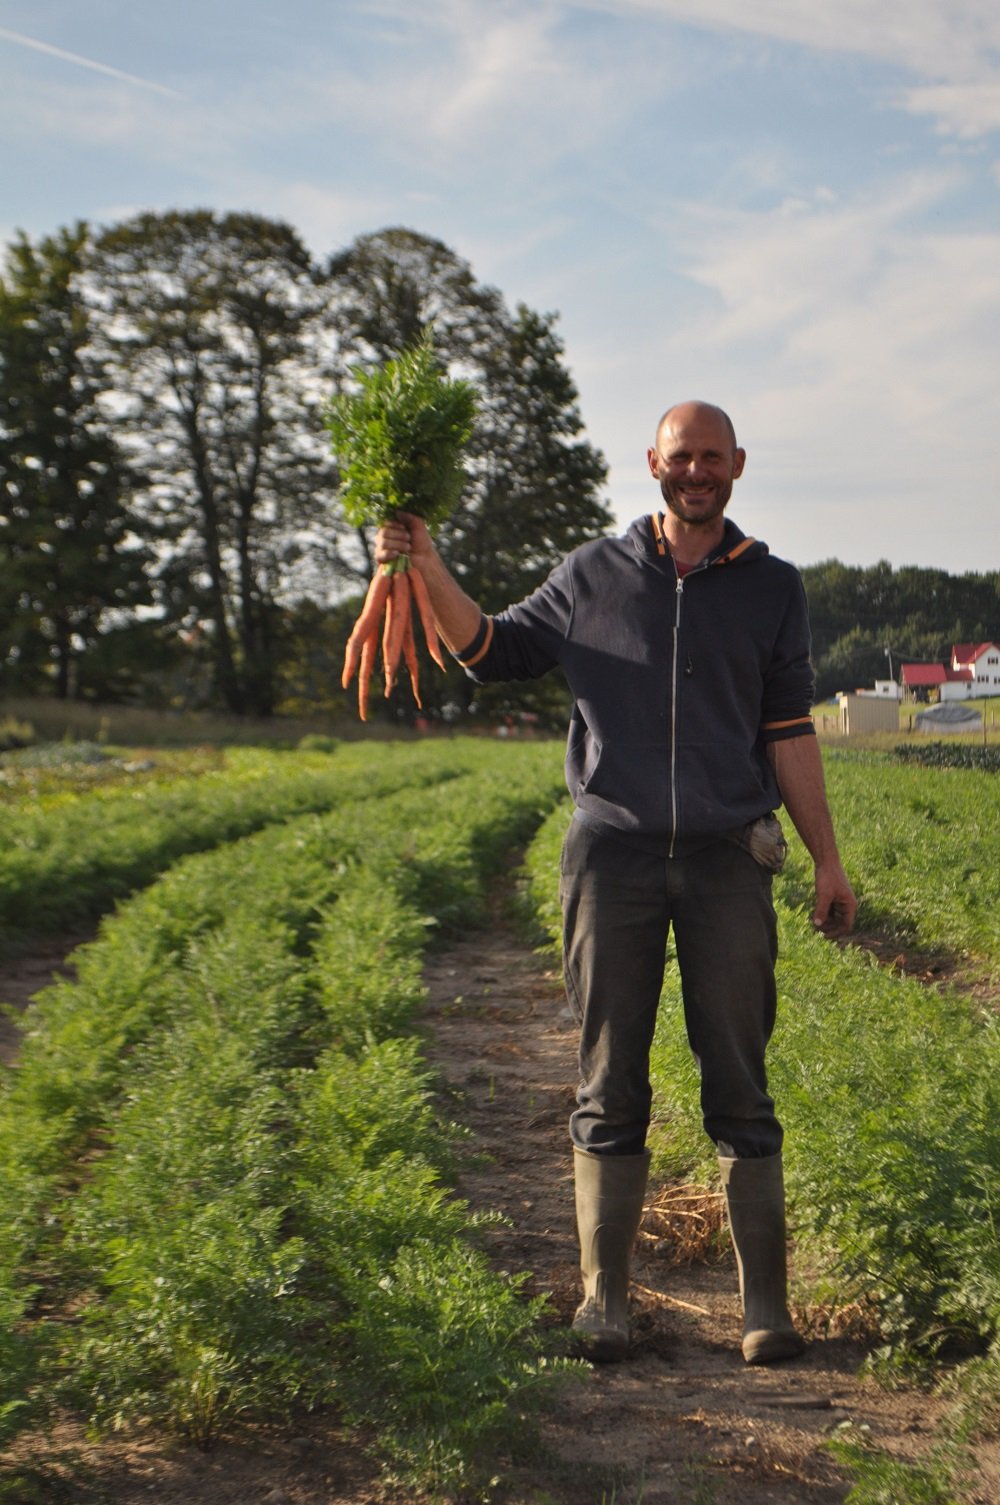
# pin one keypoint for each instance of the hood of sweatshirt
(647, 538)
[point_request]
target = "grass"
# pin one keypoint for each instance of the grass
(134, 727)
(920, 846)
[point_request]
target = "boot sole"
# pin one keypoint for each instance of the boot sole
(766, 1347)
(603, 1346)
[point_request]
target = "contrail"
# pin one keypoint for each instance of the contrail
(86, 62)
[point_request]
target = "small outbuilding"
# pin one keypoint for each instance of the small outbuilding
(867, 713)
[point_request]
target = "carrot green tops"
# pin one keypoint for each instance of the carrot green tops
(678, 683)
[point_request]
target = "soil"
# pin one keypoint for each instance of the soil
(684, 1421)
(26, 975)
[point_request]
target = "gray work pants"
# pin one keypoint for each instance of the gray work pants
(619, 905)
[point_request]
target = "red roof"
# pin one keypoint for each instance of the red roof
(933, 674)
(968, 653)
(924, 674)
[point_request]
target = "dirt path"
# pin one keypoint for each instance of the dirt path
(24, 976)
(682, 1422)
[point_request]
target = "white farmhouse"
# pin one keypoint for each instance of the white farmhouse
(982, 661)
(974, 672)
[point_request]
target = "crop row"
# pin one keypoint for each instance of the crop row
(220, 1151)
(64, 863)
(949, 755)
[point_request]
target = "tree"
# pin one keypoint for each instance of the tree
(71, 563)
(534, 483)
(535, 487)
(211, 355)
(855, 660)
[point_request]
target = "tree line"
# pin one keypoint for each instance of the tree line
(868, 622)
(169, 531)
(169, 528)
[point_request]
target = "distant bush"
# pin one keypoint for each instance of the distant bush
(15, 734)
(313, 742)
(60, 754)
(949, 755)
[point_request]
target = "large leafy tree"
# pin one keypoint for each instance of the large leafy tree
(210, 351)
(534, 486)
(70, 565)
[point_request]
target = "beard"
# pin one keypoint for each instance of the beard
(700, 509)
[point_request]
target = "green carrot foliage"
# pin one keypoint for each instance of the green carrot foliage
(398, 438)
(221, 1149)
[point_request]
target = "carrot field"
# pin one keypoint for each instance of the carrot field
(224, 1174)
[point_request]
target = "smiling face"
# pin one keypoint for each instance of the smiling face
(696, 460)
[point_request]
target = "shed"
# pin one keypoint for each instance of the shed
(867, 713)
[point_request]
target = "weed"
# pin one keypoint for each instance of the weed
(880, 1479)
(700, 1488)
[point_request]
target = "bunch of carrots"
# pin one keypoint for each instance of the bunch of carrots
(394, 592)
(398, 437)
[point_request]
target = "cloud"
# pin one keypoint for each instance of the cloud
(326, 219)
(954, 44)
(465, 85)
(923, 35)
(968, 110)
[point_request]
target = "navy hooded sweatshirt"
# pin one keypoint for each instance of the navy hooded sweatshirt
(678, 683)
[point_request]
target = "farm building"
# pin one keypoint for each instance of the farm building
(865, 713)
(974, 671)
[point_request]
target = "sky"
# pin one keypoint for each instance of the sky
(790, 208)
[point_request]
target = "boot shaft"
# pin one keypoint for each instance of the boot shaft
(755, 1202)
(610, 1190)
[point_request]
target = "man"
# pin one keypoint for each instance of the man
(686, 647)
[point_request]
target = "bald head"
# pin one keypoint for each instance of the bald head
(695, 461)
(682, 412)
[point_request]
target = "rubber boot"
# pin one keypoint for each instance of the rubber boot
(609, 1196)
(755, 1201)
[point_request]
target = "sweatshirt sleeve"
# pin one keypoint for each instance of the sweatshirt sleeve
(789, 682)
(526, 640)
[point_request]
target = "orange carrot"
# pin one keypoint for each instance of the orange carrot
(366, 624)
(368, 652)
(391, 605)
(396, 616)
(419, 589)
(410, 658)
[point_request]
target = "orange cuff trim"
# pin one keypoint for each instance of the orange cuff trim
(468, 663)
(779, 726)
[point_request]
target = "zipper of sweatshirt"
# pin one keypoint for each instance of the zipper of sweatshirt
(661, 549)
(674, 680)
